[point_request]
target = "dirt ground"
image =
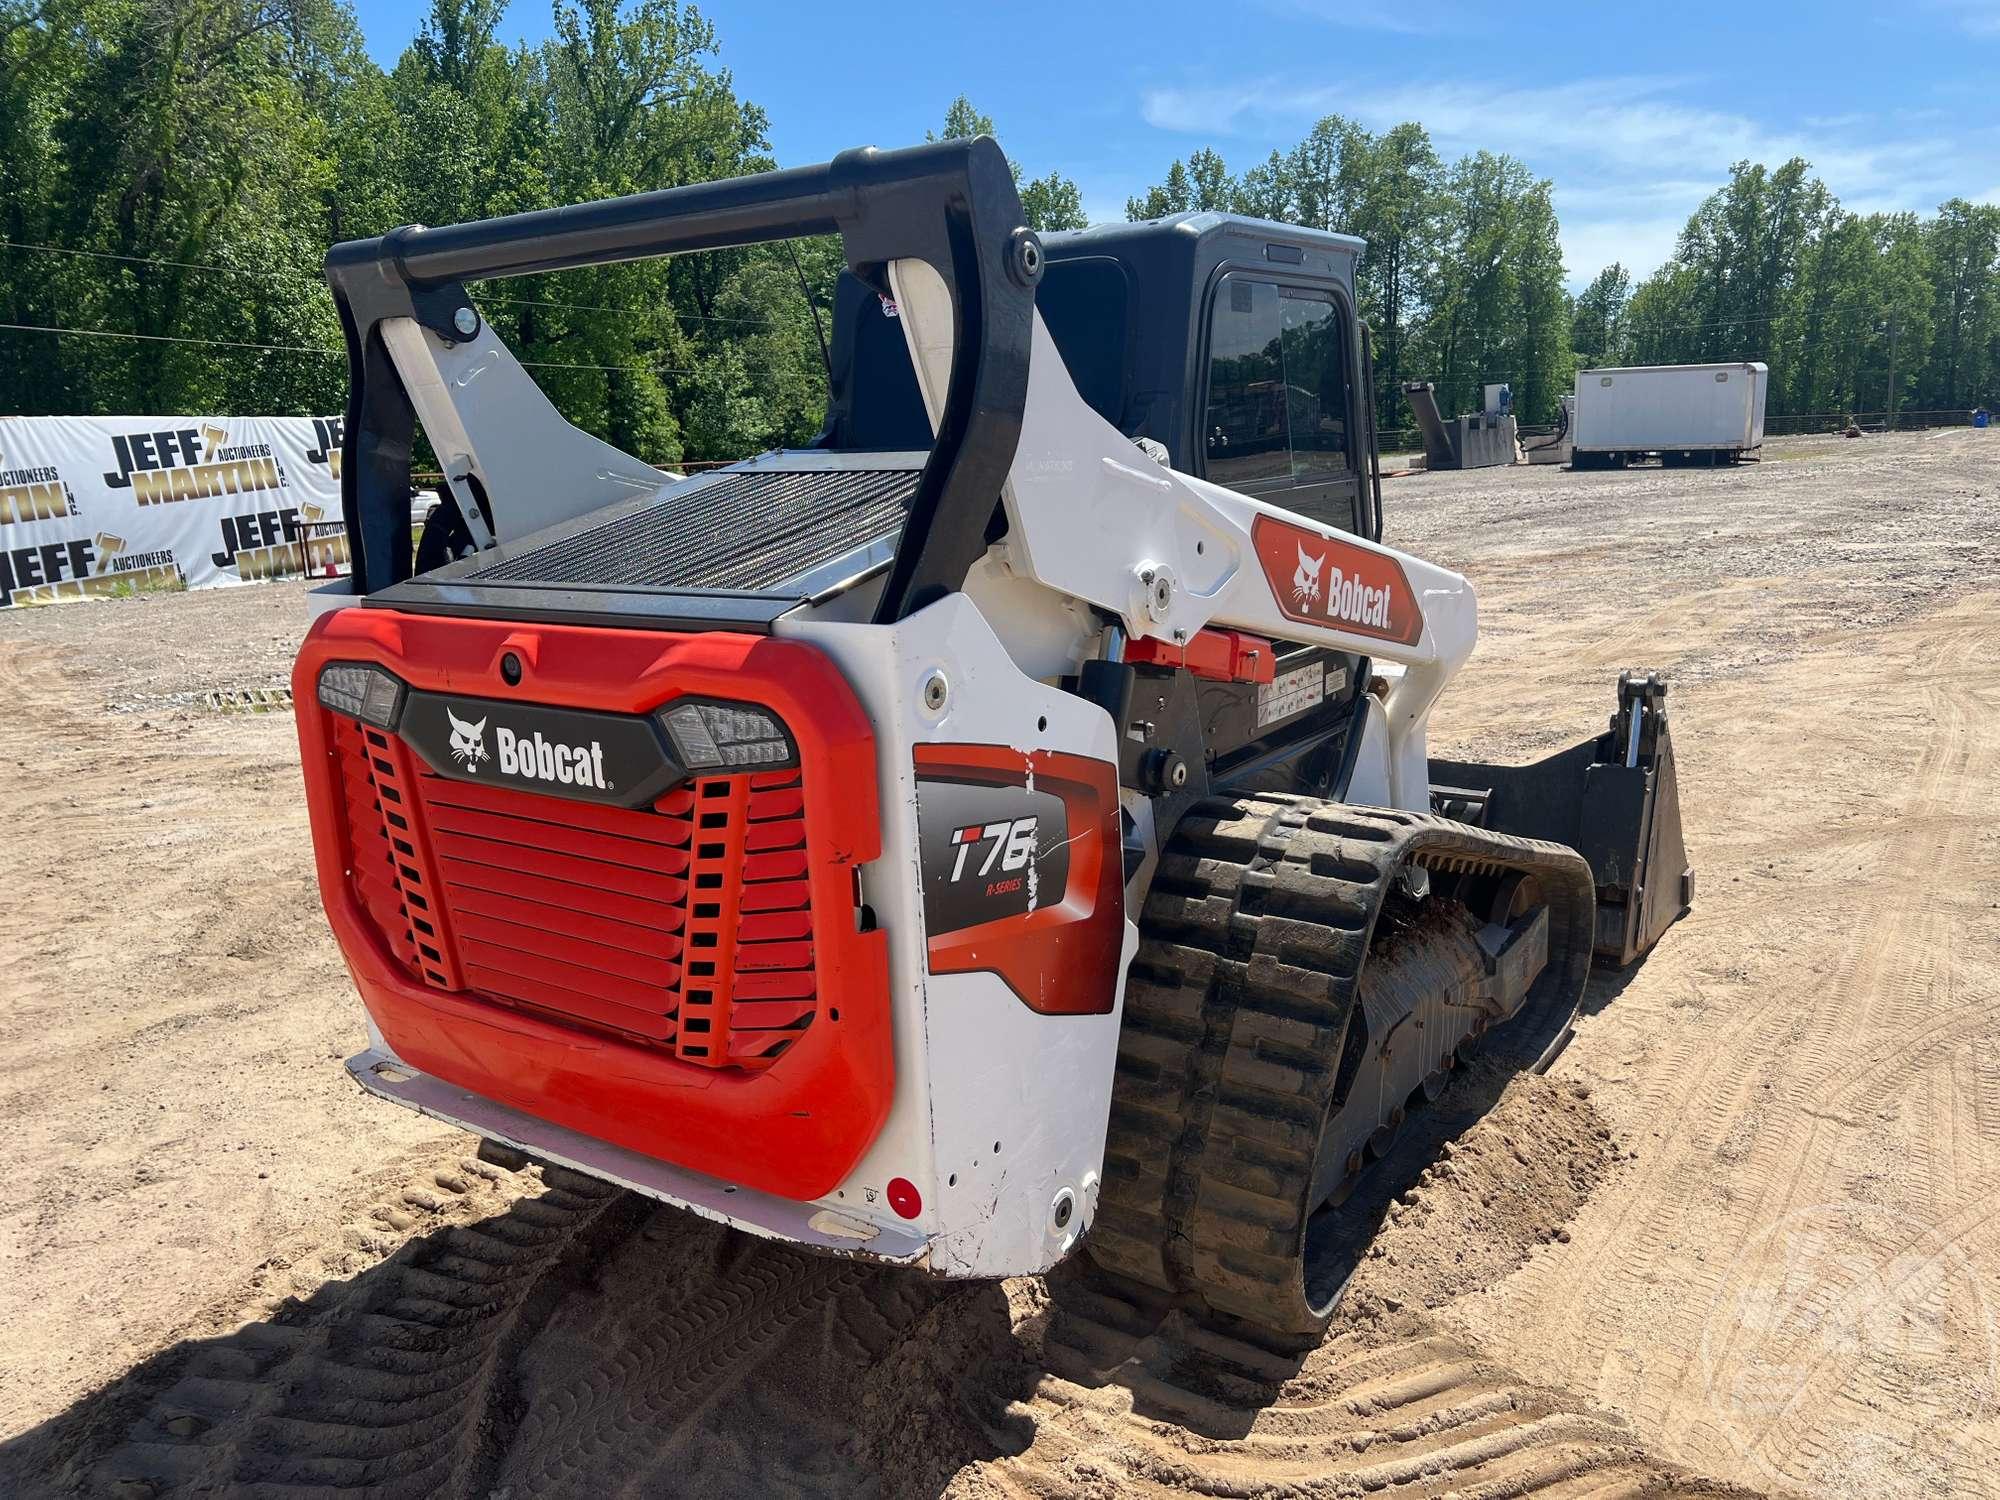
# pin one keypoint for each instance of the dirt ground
(1746, 1233)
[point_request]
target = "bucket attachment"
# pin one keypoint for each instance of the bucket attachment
(1614, 799)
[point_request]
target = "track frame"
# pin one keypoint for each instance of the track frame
(1245, 1089)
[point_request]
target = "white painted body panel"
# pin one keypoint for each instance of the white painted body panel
(1671, 408)
(974, 1065)
(486, 417)
(1089, 513)
(999, 1113)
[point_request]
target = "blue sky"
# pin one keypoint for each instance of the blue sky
(1635, 112)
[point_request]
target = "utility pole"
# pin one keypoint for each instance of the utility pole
(1889, 396)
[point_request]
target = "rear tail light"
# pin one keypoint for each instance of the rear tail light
(726, 736)
(361, 692)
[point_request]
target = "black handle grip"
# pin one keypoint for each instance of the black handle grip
(951, 204)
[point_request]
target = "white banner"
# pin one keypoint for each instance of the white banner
(106, 505)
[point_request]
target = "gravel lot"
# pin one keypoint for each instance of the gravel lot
(1749, 1227)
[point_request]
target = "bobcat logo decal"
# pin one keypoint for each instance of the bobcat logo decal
(468, 741)
(1305, 578)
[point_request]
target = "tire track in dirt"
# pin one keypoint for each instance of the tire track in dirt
(662, 1360)
(375, 1385)
(1788, 1135)
(1892, 980)
(1139, 1402)
(580, 1342)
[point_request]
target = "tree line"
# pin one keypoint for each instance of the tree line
(1854, 313)
(173, 171)
(1463, 278)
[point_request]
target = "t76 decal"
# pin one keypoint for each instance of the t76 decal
(1023, 871)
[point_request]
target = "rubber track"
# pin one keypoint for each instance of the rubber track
(1252, 944)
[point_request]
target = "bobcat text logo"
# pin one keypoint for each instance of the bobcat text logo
(1013, 849)
(468, 741)
(1333, 582)
(541, 759)
(1351, 600)
(1305, 578)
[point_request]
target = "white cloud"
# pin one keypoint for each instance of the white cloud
(1973, 17)
(1630, 156)
(1630, 124)
(1396, 16)
(1639, 244)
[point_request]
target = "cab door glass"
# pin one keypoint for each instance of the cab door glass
(1316, 386)
(1278, 388)
(1246, 434)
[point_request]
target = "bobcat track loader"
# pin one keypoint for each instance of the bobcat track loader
(1001, 826)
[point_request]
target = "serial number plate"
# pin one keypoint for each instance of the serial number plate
(1294, 692)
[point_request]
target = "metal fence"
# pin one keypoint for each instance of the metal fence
(1800, 424)
(1411, 439)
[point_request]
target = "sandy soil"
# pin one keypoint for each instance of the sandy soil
(1745, 1229)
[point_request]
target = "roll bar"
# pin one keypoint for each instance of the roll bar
(951, 204)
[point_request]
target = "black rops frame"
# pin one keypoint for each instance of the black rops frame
(951, 204)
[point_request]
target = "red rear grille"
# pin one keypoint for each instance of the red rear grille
(687, 927)
(387, 864)
(750, 922)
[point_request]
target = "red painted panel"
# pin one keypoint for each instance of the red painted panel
(1061, 958)
(1335, 583)
(777, 1108)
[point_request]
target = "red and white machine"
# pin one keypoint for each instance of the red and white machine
(941, 853)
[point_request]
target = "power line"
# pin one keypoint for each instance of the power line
(169, 338)
(290, 272)
(155, 260)
(630, 311)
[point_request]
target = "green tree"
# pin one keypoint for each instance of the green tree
(191, 161)
(1965, 260)
(203, 154)
(1498, 311)
(1850, 312)
(1053, 202)
(1173, 196)
(1200, 184)
(1049, 203)
(1389, 189)
(1597, 322)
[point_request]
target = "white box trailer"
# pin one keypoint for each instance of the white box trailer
(1684, 413)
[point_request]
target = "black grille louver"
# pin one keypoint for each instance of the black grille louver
(748, 531)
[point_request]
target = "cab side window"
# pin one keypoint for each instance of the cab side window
(1315, 350)
(1246, 435)
(1277, 386)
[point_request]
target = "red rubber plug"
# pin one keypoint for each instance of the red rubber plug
(904, 1197)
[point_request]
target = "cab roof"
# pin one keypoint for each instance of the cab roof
(1323, 249)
